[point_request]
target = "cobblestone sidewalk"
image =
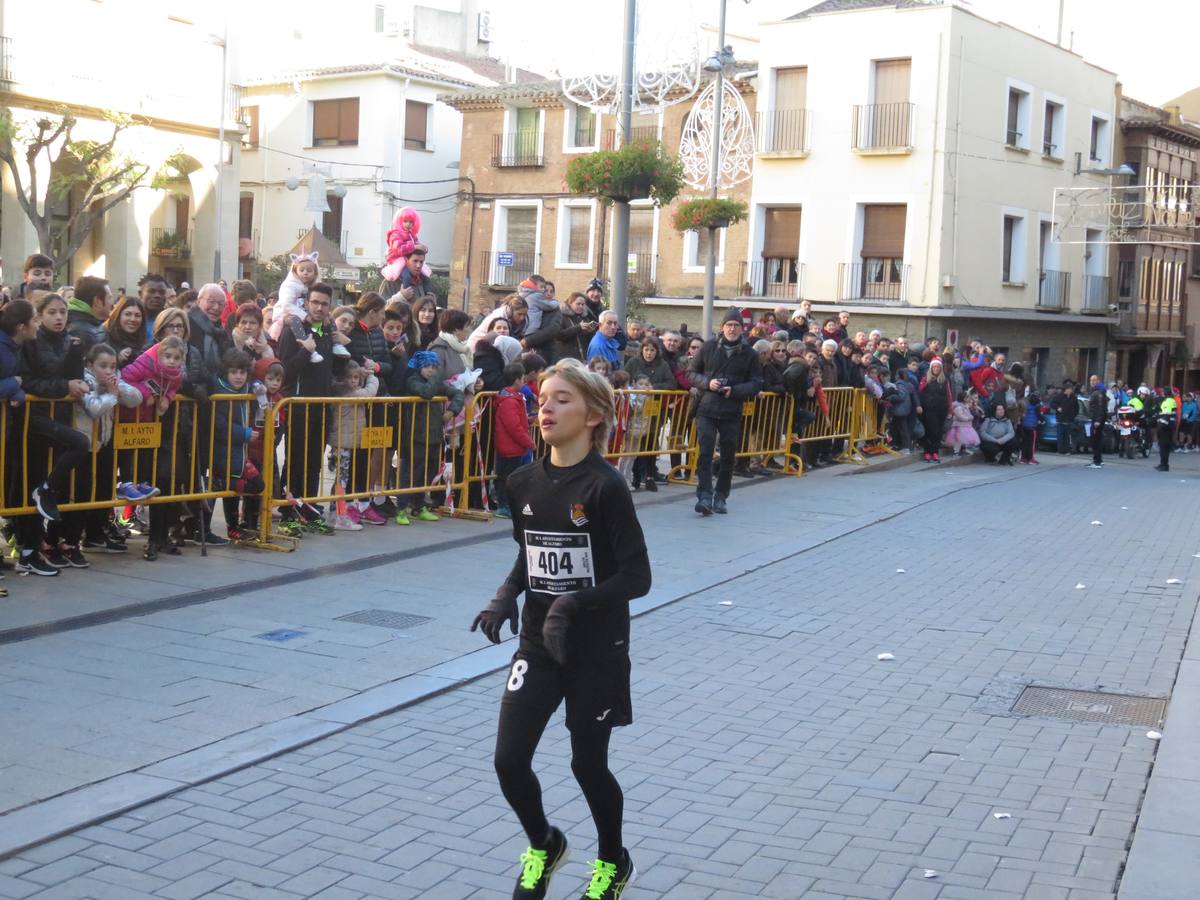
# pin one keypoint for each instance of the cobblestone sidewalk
(773, 754)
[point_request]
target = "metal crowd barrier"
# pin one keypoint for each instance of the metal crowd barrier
(649, 424)
(767, 431)
(337, 449)
(160, 450)
(837, 426)
(199, 453)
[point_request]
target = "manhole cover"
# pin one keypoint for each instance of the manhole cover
(1090, 706)
(384, 618)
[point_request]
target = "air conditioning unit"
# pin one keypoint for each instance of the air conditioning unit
(484, 31)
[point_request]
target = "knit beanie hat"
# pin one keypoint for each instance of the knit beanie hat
(734, 315)
(423, 358)
(264, 365)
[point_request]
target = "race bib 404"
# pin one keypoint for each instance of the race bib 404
(558, 562)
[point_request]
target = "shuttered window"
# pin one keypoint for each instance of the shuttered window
(791, 88)
(416, 125)
(578, 234)
(891, 80)
(335, 122)
(331, 222)
(781, 235)
(641, 230)
(883, 232)
(521, 227)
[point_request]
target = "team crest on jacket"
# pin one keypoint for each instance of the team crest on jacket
(578, 516)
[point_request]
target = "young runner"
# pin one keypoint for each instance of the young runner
(582, 559)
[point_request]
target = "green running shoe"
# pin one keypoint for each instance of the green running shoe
(537, 866)
(425, 514)
(609, 880)
(318, 526)
(292, 528)
(401, 517)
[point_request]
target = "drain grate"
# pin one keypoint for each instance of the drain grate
(1090, 706)
(384, 618)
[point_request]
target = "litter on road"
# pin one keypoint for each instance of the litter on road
(1154, 735)
(1001, 815)
(884, 657)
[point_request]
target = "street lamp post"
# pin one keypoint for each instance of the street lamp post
(715, 64)
(618, 268)
(224, 43)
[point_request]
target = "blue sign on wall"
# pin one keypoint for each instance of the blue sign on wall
(504, 259)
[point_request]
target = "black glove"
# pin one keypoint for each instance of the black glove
(558, 620)
(491, 620)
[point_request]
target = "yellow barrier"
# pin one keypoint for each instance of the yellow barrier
(376, 449)
(767, 431)
(870, 437)
(160, 451)
(840, 424)
(649, 424)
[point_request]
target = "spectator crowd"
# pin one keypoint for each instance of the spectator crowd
(93, 361)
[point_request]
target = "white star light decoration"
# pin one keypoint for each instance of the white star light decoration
(737, 139)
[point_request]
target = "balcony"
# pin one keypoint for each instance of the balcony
(645, 133)
(517, 149)
(774, 279)
(1054, 290)
(170, 243)
(874, 281)
(1097, 294)
(883, 128)
(783, 132)
(499, 272)
(640, 269)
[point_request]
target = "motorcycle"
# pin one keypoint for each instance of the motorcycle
(1128, 424)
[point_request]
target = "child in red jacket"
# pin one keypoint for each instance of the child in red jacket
(514, 444)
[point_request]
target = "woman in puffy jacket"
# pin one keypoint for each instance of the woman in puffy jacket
(649, 363)
(934, 408)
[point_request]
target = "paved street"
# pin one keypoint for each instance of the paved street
(772, 755)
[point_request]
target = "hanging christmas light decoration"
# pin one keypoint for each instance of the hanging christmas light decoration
(666, 64)
(736, 160)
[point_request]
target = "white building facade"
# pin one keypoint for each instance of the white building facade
(378, 137)
(175, 227)
(907, 160)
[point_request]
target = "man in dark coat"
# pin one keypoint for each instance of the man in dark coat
(727, 372)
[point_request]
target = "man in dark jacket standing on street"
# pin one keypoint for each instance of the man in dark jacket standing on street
(727, 372)
(1098, 413)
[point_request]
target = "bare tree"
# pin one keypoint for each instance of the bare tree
(93, 170)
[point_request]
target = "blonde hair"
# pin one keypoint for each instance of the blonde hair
(171, 342)
(164, 318)
(597, 393)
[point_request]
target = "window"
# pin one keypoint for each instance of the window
(575, 235)
(335, 122)
(892, 78)
(250, 117)
(781, 233)
(791, 88)
(1052, 130)
(883, 251)
(416, 125)
(580, 128)
(331, 222)
(380, 16)
(245, 216)
(695, 250)
(515, 232)
(1016, 133)
(641, 230)
(1098, 142)
(1012, 264)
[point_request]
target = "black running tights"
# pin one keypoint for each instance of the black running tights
(519, 733)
